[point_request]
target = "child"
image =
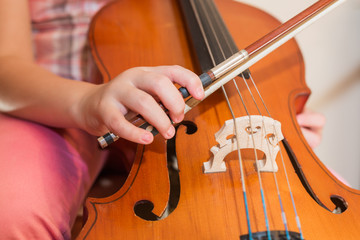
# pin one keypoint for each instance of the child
(48, 157)
(48, 153)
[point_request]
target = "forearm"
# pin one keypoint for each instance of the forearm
(28, 91)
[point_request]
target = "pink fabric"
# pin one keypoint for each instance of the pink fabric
(44, 178)
(46, 173)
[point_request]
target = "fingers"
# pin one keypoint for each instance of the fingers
(116, 123)
(157, 82)
(143, 103)
(184, 77)
(311, 119)
(139, 90)
(313, 138)
(311, 124)
(162, 88)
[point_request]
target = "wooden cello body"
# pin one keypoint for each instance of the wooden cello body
(164, 198)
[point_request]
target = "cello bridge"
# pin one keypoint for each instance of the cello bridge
(251, 132)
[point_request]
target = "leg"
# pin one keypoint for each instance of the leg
(44, 177)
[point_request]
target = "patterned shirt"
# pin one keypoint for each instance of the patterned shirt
(59, 29)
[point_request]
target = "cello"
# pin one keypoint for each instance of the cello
(171, 191)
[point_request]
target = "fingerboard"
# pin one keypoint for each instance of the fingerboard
(208, 34)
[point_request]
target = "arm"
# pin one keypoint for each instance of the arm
(27, 90)
(30, 92)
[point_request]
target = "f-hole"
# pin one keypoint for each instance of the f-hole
(340, 203)
(143, 208)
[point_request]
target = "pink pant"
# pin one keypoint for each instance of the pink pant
(44, 177)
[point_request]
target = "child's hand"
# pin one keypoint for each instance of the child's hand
(102, 108)
(311, 124)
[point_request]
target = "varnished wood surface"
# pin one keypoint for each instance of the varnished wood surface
(149, 32)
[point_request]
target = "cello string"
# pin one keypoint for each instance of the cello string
(240, 161)
(297, 218)
(236, 133)
(238, 151)
(257, 162)
(282, 159)
(283, 215)
(220, 46)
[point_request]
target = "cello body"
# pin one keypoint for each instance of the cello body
(164, 198)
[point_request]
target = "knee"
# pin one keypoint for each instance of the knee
(27, 220)
(44, 180)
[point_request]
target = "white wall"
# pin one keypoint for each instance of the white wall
(331, 50)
